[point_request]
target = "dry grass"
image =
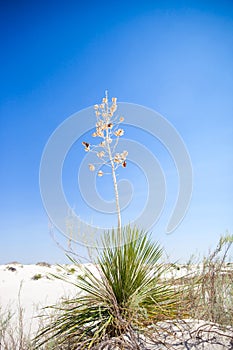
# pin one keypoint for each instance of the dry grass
(211, 286)
(208, 287)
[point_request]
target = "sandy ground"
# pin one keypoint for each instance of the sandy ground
(31, 287)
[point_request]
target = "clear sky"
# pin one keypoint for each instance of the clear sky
(58, 57)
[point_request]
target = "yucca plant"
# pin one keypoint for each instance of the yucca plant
(120, 302)
(127, 295)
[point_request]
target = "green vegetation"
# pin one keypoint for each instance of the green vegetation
(71, 270)
(130, 295)
(43, 263)
(121, 299)
(125, 298)
(37, 277)
(212, 298)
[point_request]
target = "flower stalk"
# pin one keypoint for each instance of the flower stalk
(107, 128)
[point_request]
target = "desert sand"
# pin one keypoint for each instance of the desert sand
(32, 287)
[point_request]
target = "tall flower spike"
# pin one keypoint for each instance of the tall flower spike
(107, 128)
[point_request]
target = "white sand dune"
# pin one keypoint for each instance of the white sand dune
(32, 287)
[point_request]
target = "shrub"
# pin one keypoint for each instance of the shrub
(43, 263)
(209, 285)
(125, 298)
(37, 277)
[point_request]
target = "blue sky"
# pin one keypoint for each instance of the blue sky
(57, 58)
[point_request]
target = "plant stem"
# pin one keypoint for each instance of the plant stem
(115, 186)
(116, 192)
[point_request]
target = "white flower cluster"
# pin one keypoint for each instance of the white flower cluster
(107, 128)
